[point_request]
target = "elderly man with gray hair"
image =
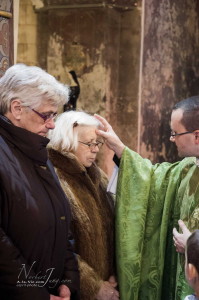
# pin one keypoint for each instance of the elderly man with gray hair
(36, 259)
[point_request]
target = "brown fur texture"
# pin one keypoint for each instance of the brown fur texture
(92, 219)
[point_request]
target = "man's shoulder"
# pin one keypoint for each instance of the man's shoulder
(191, 159)
(188, 162)
(3, 145)
(183, 167)
(5, 151)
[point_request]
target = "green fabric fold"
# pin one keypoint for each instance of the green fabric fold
(150, 200)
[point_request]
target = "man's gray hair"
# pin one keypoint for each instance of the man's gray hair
(31, 85)
(64, 137)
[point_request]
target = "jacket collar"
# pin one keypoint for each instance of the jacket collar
(31, 144)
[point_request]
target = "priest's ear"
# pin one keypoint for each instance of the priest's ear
(196, 133)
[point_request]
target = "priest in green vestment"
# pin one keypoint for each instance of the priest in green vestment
(150, 200)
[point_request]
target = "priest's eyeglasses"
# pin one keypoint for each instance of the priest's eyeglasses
(174, 134)
(92, 146)
(46, 116)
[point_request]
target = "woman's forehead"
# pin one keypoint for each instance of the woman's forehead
(87, 131)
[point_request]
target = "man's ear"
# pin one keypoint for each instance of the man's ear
(196, 133)
(191, 272)
(16, 109)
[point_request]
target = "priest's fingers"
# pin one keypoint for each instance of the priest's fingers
(104, 122)
(110, 137)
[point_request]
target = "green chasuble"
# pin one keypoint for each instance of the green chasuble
(150, 200)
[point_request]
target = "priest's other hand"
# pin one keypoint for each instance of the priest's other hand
(180, 239)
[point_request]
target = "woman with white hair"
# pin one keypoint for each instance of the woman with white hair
(72, 149)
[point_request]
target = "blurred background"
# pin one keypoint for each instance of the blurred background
(132, 60)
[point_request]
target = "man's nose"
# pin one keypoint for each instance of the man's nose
(50, 124)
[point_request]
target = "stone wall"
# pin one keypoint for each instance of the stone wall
(16, 25)
(106, 46)
(27, 34)
(170, 70)
(6, 35)
(102, 46)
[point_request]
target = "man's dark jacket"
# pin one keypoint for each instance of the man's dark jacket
(35, 253)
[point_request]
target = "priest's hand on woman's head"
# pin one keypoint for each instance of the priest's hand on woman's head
(110, 137)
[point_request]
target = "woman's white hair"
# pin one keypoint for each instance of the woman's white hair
(32, 86)
(64, 137)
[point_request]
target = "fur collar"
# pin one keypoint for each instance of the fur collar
(68, 163)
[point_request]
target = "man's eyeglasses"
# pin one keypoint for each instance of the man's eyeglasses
(93, 145)
(174, 134)
(47, 116)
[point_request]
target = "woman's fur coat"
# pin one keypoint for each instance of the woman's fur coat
(92, 219)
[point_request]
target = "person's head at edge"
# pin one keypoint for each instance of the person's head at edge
(30, 97)
(185, 127)
(75, 132)
(192, 261)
